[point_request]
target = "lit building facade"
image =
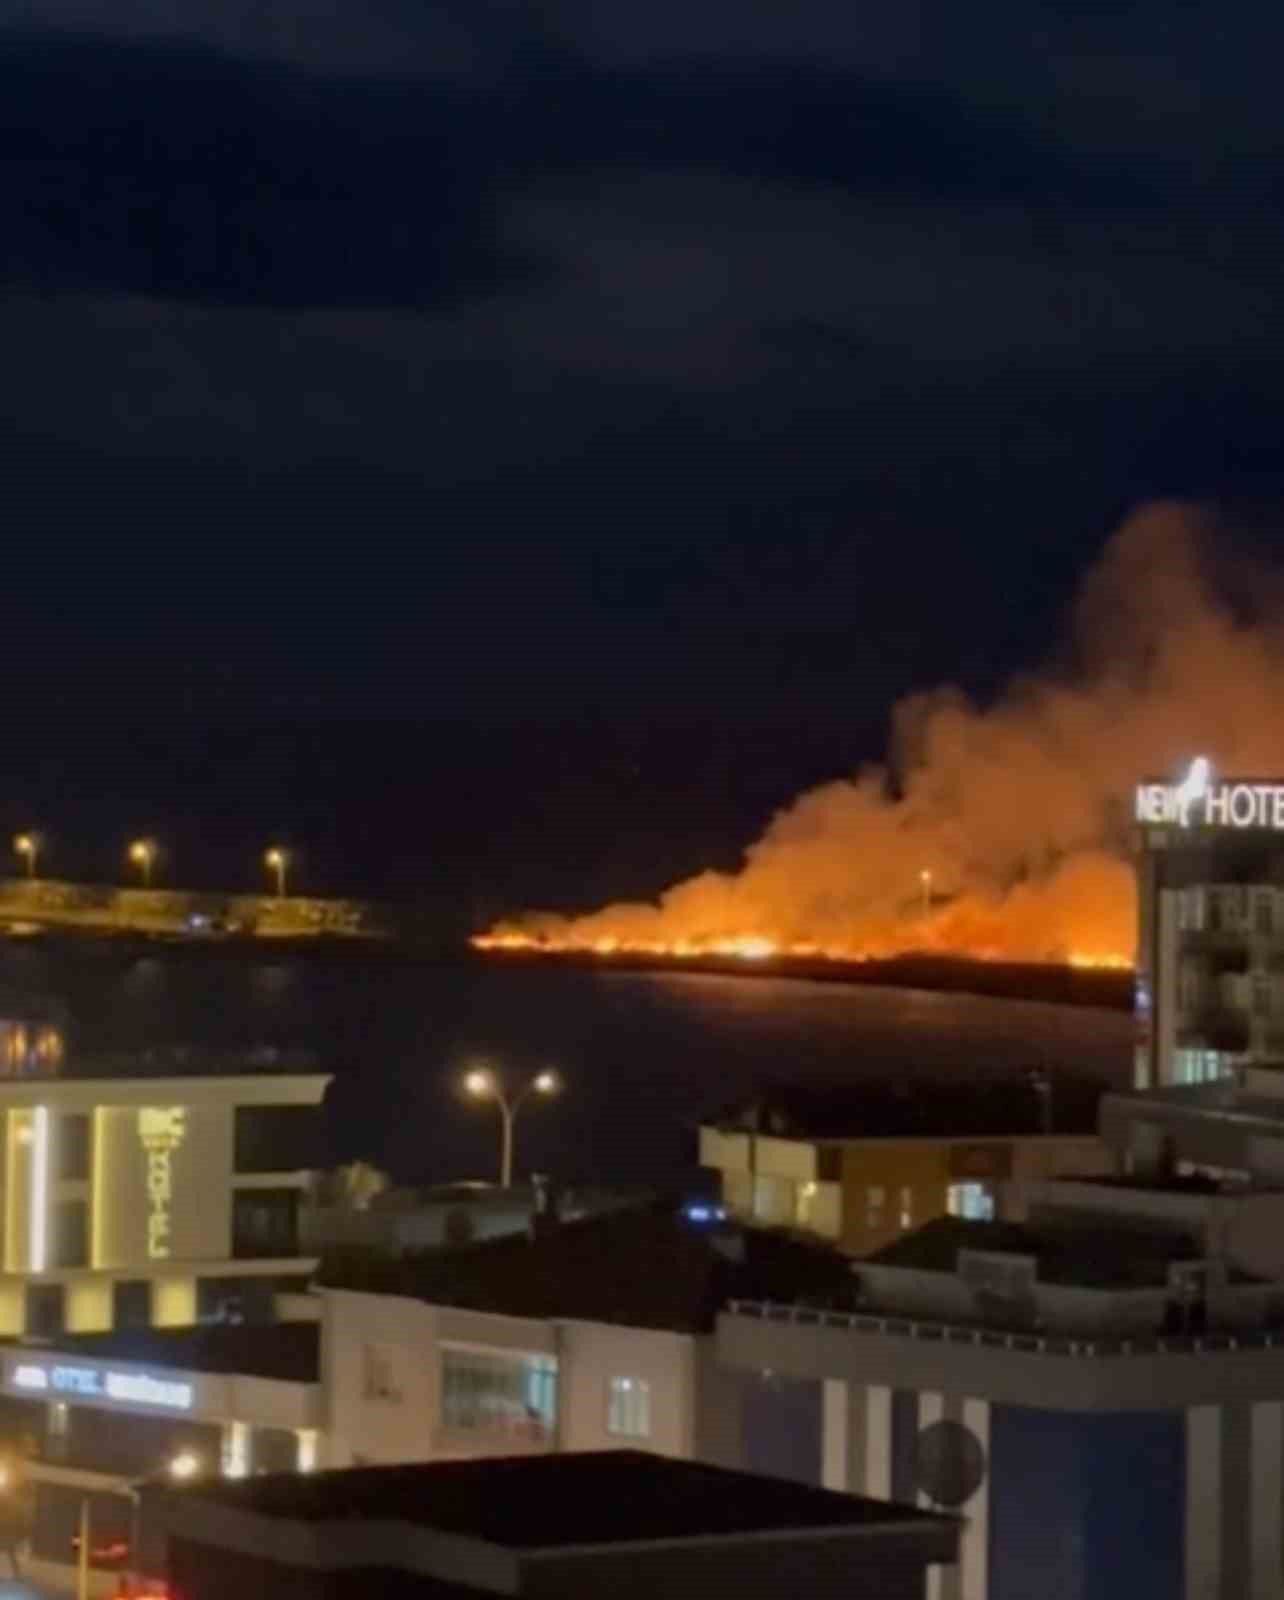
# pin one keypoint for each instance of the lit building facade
(1210, 945)
(1098, 1392)
(158, 1201)
(861, 1193)
(87, 1421)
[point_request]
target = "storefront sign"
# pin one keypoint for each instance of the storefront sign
(99, 1383)
(161, 1130)
(1198, 802)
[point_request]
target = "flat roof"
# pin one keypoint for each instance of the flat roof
(556, 1501)
(649, 1267)
(896, 1107)
(1101, 1252)
(288, 1351)
(187, 1061)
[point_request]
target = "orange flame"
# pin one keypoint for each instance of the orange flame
(999, 832)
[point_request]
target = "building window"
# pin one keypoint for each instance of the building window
(44, 1310)
(131, 1302)
(907, 1208)
(380, 1373)
(236, 1450)
(499, 1396)
(971, 1201)
(1190, 910)
(1264, 913)
(58, 1430)
(73, 1146)
(1262, 996)
(875, 1200)
(265, 1224)
(1199, 1066)
(628, 1408)
(70, 1227)
(277, 1138)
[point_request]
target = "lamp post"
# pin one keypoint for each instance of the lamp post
(276, 861)
(27, 845)
(143, 853)
(483, 1084)
(182, 1468)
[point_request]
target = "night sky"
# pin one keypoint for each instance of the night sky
(508, 448)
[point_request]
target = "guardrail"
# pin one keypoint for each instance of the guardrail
(1000, 1339)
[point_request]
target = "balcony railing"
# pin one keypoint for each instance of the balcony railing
(958, 1333)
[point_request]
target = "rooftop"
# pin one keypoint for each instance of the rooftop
(645, 1268)
(1104, 1255)
(288, 1351)
(557, 1501)
(183, 1061)
(918, 1108)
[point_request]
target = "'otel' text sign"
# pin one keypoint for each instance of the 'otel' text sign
(96, 1383)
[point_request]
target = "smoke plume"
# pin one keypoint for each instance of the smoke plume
(1018, 813)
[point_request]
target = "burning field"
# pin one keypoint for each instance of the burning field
(997, 833)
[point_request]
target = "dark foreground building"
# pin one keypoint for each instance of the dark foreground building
(619, 1523)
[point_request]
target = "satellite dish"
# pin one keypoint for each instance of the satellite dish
(949, 1464)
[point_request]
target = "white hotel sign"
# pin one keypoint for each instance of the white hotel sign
(1198, 802)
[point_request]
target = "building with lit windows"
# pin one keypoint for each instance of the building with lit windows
(89, 1419)
(593, 1335)
(1098, 1391)
(162, 1198)
(858, 1167)
(1210, 947)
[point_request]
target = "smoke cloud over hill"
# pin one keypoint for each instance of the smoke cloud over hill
(1018, 814)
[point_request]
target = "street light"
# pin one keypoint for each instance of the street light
(142, 853)
(185, 1466)
(483, 1084)
(925, 878)
(182, 1468)
(27, 845)
(276, 861)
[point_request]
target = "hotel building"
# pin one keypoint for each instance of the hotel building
(158, 1200)
(1210, 945)
(149, 1241)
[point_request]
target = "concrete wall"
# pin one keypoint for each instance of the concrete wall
(406, 1337)
(378, 1429)
(835, 1566)
(591, 1354)
(1005, 1374)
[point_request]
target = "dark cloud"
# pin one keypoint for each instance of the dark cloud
(689, 355)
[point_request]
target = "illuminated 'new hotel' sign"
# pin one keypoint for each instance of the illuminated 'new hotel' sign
(1198, 802)
(161, 1129)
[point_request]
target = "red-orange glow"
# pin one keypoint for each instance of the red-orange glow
(754, 948)
(1000, 831)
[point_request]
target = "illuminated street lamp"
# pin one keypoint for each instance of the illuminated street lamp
(483, 1084)
(276, 861)
(27, 845)
(925, 878)
(185, 1466)
(143, 853)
